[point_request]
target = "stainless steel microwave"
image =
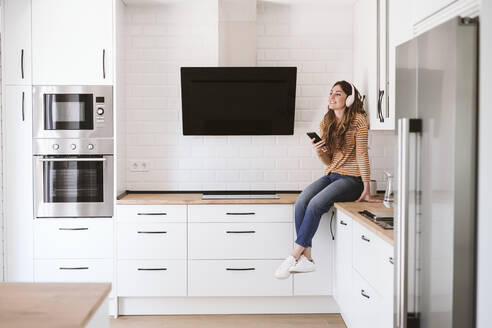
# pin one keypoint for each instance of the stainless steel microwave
(73, 111)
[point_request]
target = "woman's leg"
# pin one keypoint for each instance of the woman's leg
(343, 189)
(307, 253)
(305, 196)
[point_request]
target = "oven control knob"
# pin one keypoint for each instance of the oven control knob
(100, 111)
(56, 146)
(90, 146)
(74, 146)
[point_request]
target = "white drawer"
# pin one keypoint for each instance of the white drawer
(73, 238)
(241, 213)
(151, 213)
(80, 270)
(236, 278)
(366, 304)
(365, 253)
(385, 267)
(239, 240)
(151, 278)
(151, 240)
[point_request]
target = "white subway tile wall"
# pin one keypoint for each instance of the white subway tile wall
(314, 37)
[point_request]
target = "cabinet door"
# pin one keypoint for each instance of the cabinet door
(72, 42)
(366, 303)
(386, 277)
(17, 42)
(319, 282)
(17, 138)
(343, 264)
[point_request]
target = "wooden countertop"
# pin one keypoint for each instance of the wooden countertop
(352, 209)
(187, 199)
(50, 304)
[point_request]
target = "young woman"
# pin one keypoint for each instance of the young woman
(343, 149)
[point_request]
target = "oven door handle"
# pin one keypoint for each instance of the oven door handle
(71, 159)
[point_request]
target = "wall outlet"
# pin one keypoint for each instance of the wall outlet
(139, 166)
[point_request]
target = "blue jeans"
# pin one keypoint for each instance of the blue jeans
(318, 198)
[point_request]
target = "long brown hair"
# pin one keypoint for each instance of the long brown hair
(333, 132)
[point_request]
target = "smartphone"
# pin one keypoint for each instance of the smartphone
(314, 135)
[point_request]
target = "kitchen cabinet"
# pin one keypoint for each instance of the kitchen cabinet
(17, 42)
(81, 238)
(233, 249)
(86, 255)
(363, 275)
(72, 42)
(17, 173)
(343, 264)
(370, 61)
(152, 250)
(236, 278)
(151, 278)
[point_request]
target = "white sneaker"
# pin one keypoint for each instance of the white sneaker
(282, 271)
(303, 265)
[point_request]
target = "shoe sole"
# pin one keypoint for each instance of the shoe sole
(303, 271)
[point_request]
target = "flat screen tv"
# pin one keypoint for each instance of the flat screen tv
(238, 100)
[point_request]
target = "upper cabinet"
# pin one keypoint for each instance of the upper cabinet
(17, 42)
(370, 61)
(72, 42)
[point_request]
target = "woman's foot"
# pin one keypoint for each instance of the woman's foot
(303, 265)
(283, 271)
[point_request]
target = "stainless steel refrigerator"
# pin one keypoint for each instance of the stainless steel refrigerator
(435, 201)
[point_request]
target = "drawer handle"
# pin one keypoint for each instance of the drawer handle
(363, 293)
(74, 268)
(151, 213)
(240, 213)
(245, 231)
(343, 222)
(152, 232)
(365, 238)
(152, 269)
(72, 229)
(391, 260)
(240, 269)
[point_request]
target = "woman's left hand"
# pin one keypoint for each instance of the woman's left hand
(366, 197)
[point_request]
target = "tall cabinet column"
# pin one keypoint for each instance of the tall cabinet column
(17, 140)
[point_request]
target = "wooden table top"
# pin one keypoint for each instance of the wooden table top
(50, 304)
(352, 209)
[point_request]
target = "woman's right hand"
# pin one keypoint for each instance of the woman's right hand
(319, 147)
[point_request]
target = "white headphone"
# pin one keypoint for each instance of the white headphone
(350, 99)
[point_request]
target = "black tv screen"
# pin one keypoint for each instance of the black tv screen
(238, 100)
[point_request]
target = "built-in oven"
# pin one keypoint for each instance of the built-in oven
(73, 178)
(73, 111)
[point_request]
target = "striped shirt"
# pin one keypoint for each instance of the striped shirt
(353, 159)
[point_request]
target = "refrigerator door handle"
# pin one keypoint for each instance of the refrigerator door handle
(402, 223)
